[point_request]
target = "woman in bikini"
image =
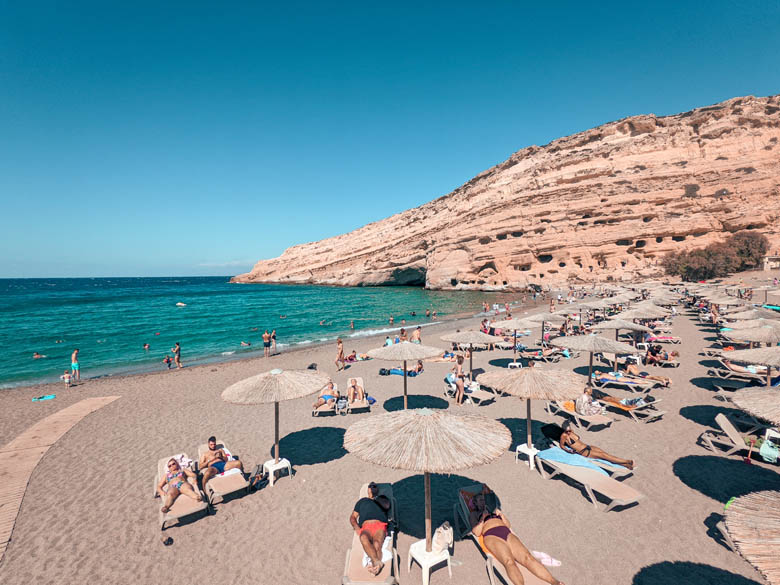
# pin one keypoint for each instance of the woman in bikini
(495, 534)
(459, 380)
(340, 357)
(176, 479)
(571, 443)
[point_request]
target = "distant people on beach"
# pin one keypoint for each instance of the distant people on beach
(66, 378)
(391, 320)
(168, 361)
(245, 344)
(273, 340)
(74, 365)
(388, 341)
(146, 346)
(340, 357)
(403, 336)
(416, 335)
(37, 356)
(266, 344)
(176, 350)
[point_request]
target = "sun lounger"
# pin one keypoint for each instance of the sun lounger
(354, 571)
(728, 374)
(668, 363)
(583, 421)
(664, 339)
(359, 405)
(726, 442)
(623, 381)
(223, 484)
(645, 413)
(613, 469)
(472, 392)
(329, 408)
(463, 526)
(594, 482)
(183, 506)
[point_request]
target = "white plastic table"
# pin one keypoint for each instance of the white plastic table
(427, 560)
(526, 450)
(271, 467)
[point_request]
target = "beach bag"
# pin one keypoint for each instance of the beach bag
(312, 366)
(341, 403)
(769, 452)
(371, 399)
(442, 538)
(384, 372)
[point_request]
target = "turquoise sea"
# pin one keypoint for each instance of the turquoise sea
(110, 319)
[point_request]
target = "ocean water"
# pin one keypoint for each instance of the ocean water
(110, 319)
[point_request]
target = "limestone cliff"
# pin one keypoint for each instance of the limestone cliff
(599, 205)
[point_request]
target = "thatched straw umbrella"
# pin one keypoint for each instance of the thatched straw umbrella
(763, 403)
(755, 335)
(753, 524)
(404, 351)
(546, 318)
(754, 313)
(618, 324)
(761, 356)
(515, 325)
(472, 338)
(754, 323)
(534, 383)
(427, 441)
(592, 344)
(275, 386)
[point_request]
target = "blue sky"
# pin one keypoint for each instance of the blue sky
(198, 137)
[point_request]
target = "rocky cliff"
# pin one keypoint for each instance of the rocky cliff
(599, 205)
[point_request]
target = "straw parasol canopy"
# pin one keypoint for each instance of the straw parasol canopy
(763, 403)
(404, 351)
(275, 386)
(547, 318)
(534, 383)
(755, 313)
(755, 335)
(515, 325)
(471, 338)
(754, 323)
(644, 312)
(753, 523)
(427, 441)
(592, 344)
(617, 324)
(761, 356)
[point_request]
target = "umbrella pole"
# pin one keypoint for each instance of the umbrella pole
(768, 376)
(471, 363)
(542, 341)
(529, 439)
(427, 482)
(276, 432)
(405, 402)
(590, 369)
(514, 348)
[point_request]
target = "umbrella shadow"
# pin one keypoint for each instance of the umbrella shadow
(710, 363)
(504, 362)
(312, 446)
(477, 371)
(415, 401)
(583, 370)
(410, 495)
(704, 414)
(518, 427)
(688, 572)
(720, 478)
(703, 383)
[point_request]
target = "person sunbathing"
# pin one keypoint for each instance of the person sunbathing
(665, 356)
(215, 461)
(495, 535)
(585, 404)
(571, 443)
(413, 371)
(355, 392)
(633, 370)
(176, 480)
(369, 519)
(750, 369)
(328, 395)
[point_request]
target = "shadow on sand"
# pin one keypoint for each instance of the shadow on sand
(720, 478)
(704, 414)
(668, 572)
(504, 362)
(415, 401)
(312, 446)
(410, 494)
(519, 427)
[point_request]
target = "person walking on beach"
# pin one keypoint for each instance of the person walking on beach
(340, 357)
(266, 344)
(74, 366)
(66, 378)
(273, 340)
(176, 349)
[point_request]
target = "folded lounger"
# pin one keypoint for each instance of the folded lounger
(593, 481)
(463, 526)
(727, 441)
(354, 571)
(225, 483)
(583, 421)
(183, 506)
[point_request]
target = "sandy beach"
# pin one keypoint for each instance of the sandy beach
(88, 514)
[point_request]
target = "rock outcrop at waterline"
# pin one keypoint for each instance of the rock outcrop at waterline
(599, 205)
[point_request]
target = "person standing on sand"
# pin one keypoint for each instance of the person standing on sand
(176, 349)
(273, 340)
(74, 366)
(340, 357)
(266, 344)
(416, 335)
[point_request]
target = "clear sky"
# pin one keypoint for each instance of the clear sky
(183, 138)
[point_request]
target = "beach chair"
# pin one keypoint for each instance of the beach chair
(727, 441)
(648, 412)
(665, 339)
(594, 482)
(358, 405)
(183, 506)
(729, 374)
(225, 483)
(354, 571)
(463, 523)
(613, 469)
(472, 392)
(327, 408)
(668, 364)
(583, 421)
(726, 388)
(624, 382)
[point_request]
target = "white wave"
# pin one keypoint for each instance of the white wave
(227, 353)
(304, 342)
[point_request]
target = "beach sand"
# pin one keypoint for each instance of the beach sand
(88, 513)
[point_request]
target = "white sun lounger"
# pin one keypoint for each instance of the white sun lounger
(728, 441)
(183, 506)
(583, 421)
(327, 408)
(358, 405)
(222, 484)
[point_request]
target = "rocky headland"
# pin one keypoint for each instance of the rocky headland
(605, 204)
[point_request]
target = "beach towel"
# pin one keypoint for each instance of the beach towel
(45, 397)
(558, 455)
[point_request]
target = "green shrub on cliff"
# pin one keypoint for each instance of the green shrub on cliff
(741, 251)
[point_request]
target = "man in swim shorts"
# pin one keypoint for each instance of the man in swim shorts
(215, 461)
(74, 366)
(369, 520)
(266, 344)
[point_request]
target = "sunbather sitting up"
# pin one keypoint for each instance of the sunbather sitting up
(176, 478)
(665, 356)
(571, 442)
(633, 370)
(495, 535)
(586, 405)
(355, 392)
(328, 395)
(369, 520)
(215, 461)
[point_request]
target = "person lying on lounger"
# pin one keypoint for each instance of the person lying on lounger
(355, 392)
(328, 395)
(571, 442)
(412, 372)
(494, 533)
(176, 479)
(633, 370)
(215, 461)
(665, 356)
(750, 369)
(369, 519)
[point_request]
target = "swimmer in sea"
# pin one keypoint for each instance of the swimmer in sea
(283, 316)
(37, 356)
(245, 344)
(351, 324)
(146, 346)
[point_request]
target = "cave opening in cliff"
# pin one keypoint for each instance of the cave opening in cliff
(409, 276)
(545, 258)
(659, 239)
(678, 238)
(517, 234)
